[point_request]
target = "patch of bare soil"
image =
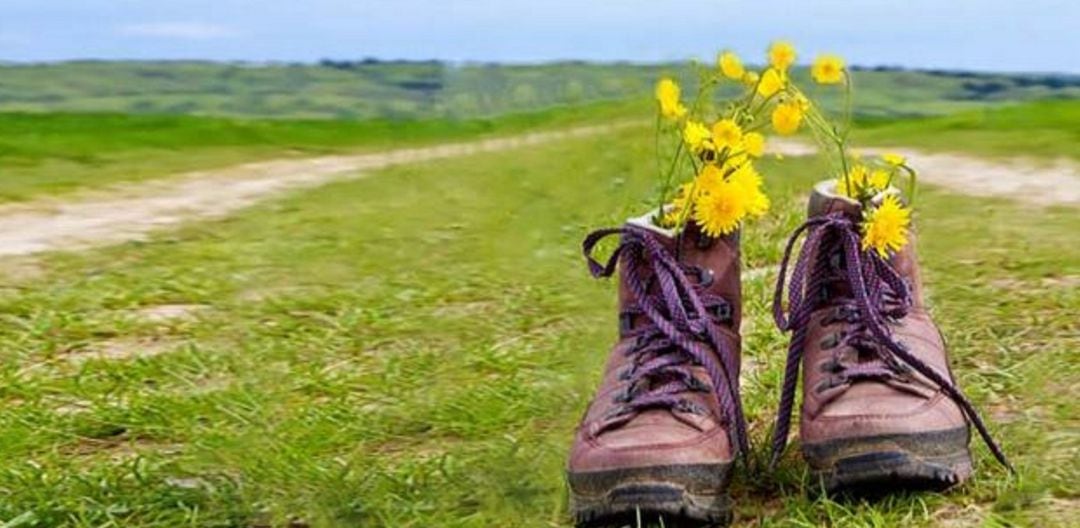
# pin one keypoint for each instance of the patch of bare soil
(119, 448)
(169, 312)
(123, 348)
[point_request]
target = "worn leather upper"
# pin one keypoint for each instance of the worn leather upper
(655, 437)
(836, 408)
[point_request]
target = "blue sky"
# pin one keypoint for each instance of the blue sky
(1032, 35)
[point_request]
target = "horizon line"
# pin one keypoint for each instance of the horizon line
(474, 62)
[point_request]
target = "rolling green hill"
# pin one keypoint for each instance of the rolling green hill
(424, 90)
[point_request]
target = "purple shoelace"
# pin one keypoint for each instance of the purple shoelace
(681, 330)
(878, 294)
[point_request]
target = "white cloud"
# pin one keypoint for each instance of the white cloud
(179, 30)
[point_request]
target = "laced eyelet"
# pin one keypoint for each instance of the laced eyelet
(702, 330)
(831, 366)
(687, 406)
(722, 312)
(829, 382)
(830, 341)
(705, 241)
(697, 385)
(705, 276)
(904, 373)
(615, 412)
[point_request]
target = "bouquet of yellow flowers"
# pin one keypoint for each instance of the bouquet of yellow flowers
(855, 280)
(711, 178)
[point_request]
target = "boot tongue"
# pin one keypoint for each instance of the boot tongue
(825, 200)
(717, 257)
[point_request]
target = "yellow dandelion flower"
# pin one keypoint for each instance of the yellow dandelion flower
(786, 117)
(885, 227)
(749, 179)
(750, 78)
(737, 158)
(858, 175)
(827, 69)
(667, 95)
(754, 144)
(893, 159)
(803, 102)
(856, 181)
(677, 208)
(731, 66)
(878, 180)
(781, 55)
(771, 82)
(727, 134)
(695, 135)
(709, 179)
(719, 211)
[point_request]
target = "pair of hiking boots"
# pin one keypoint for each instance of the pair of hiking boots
(880, 408)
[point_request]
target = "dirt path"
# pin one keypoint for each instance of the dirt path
(1056, 183)
(130, 212)
(1032, 181)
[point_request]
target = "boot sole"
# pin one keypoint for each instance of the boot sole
(683, 495)
(884, 464)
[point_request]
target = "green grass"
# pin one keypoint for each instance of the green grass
(414, 349)
(1036, 129)
(56, 153)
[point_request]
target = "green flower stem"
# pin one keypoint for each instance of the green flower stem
(666, 187)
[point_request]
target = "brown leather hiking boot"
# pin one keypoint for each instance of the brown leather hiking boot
(880, 408)
(666, 424)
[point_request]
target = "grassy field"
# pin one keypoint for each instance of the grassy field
(414, 349)
(57, 153)
(49, 154)
(1037, 129)
(369, 89)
